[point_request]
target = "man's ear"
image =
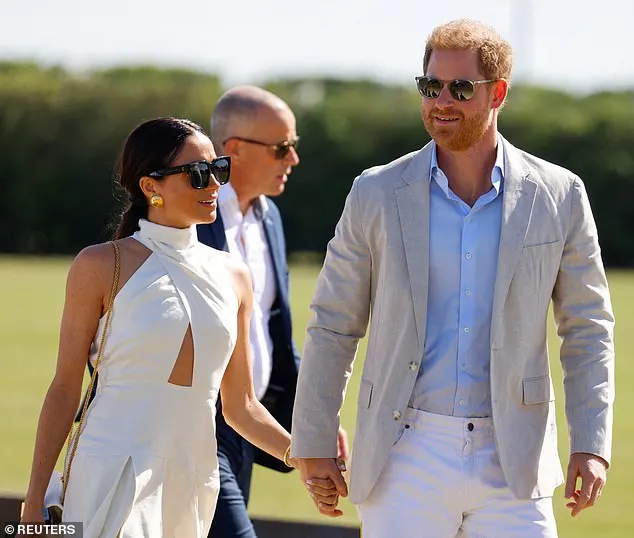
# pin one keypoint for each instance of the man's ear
(232, 148)
(500, 91)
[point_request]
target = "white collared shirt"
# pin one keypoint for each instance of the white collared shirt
(246, 238)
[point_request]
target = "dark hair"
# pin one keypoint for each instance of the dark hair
(149, 147)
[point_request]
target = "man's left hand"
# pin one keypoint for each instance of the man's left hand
(592, 471)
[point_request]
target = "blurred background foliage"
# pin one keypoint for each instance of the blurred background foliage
(61, 132)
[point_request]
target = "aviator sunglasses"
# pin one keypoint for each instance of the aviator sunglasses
(200, 172)
(461, 90)
(281, 149)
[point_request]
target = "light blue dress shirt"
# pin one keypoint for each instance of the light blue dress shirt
(454, 378)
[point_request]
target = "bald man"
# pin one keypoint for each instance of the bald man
(257, 129)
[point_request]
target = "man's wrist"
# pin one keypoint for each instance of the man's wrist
(592, 456)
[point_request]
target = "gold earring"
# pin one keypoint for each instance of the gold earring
(157, 201)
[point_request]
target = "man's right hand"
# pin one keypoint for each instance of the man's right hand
(325, 483)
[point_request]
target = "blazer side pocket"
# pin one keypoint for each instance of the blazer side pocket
(365, 394)
(537, 390)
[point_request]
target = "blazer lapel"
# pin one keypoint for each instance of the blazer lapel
(271, 239)
(412, 199)
(213, 234)
(517, 205)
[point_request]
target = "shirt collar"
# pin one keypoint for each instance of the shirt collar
(497, 174)
(229, 199)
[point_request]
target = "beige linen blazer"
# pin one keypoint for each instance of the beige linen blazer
(377, 263)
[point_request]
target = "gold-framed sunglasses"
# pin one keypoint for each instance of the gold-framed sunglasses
(281, 149)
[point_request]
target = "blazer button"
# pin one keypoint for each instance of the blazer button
(413, 366)
(396, 414)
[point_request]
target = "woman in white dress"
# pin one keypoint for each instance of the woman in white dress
(145, 465)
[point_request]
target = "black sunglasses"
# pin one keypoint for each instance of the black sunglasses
(200, 172)
(461, 90)
(281, 149)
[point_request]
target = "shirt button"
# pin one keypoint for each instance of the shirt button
(467, 293)
(461, 403)
(467, 330)
(396, 414)
(468, 255)
(413, 366)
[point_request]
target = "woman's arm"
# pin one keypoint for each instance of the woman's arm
(245, 414)
(87, 286)
(240, 407)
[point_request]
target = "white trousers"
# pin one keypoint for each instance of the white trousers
(443, 479)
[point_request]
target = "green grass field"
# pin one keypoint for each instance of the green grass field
(32, 297)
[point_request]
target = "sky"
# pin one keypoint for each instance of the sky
(576, 45)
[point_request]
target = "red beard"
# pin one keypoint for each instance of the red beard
(457, 137)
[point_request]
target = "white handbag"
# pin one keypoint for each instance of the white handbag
(56, 490)
(54, 499)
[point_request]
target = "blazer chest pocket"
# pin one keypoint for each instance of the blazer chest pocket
(536, 244)
(365, 394)
(538, 266)
(537, 390)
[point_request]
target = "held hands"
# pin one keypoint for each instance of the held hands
(592, 471)
(323, 477)
(325, 483)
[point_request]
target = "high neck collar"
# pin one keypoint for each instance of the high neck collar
(177, 238)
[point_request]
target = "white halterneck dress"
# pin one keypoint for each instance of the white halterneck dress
(146, 463)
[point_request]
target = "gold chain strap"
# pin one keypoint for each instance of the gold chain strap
(75, 439)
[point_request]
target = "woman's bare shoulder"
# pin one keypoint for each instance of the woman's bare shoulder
(94, 258)
(239, 273)
(90, 273)
(96, 262)
(236, 266)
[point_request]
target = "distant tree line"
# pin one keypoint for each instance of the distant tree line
(61, 132)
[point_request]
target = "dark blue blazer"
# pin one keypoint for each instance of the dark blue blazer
(280, 393)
